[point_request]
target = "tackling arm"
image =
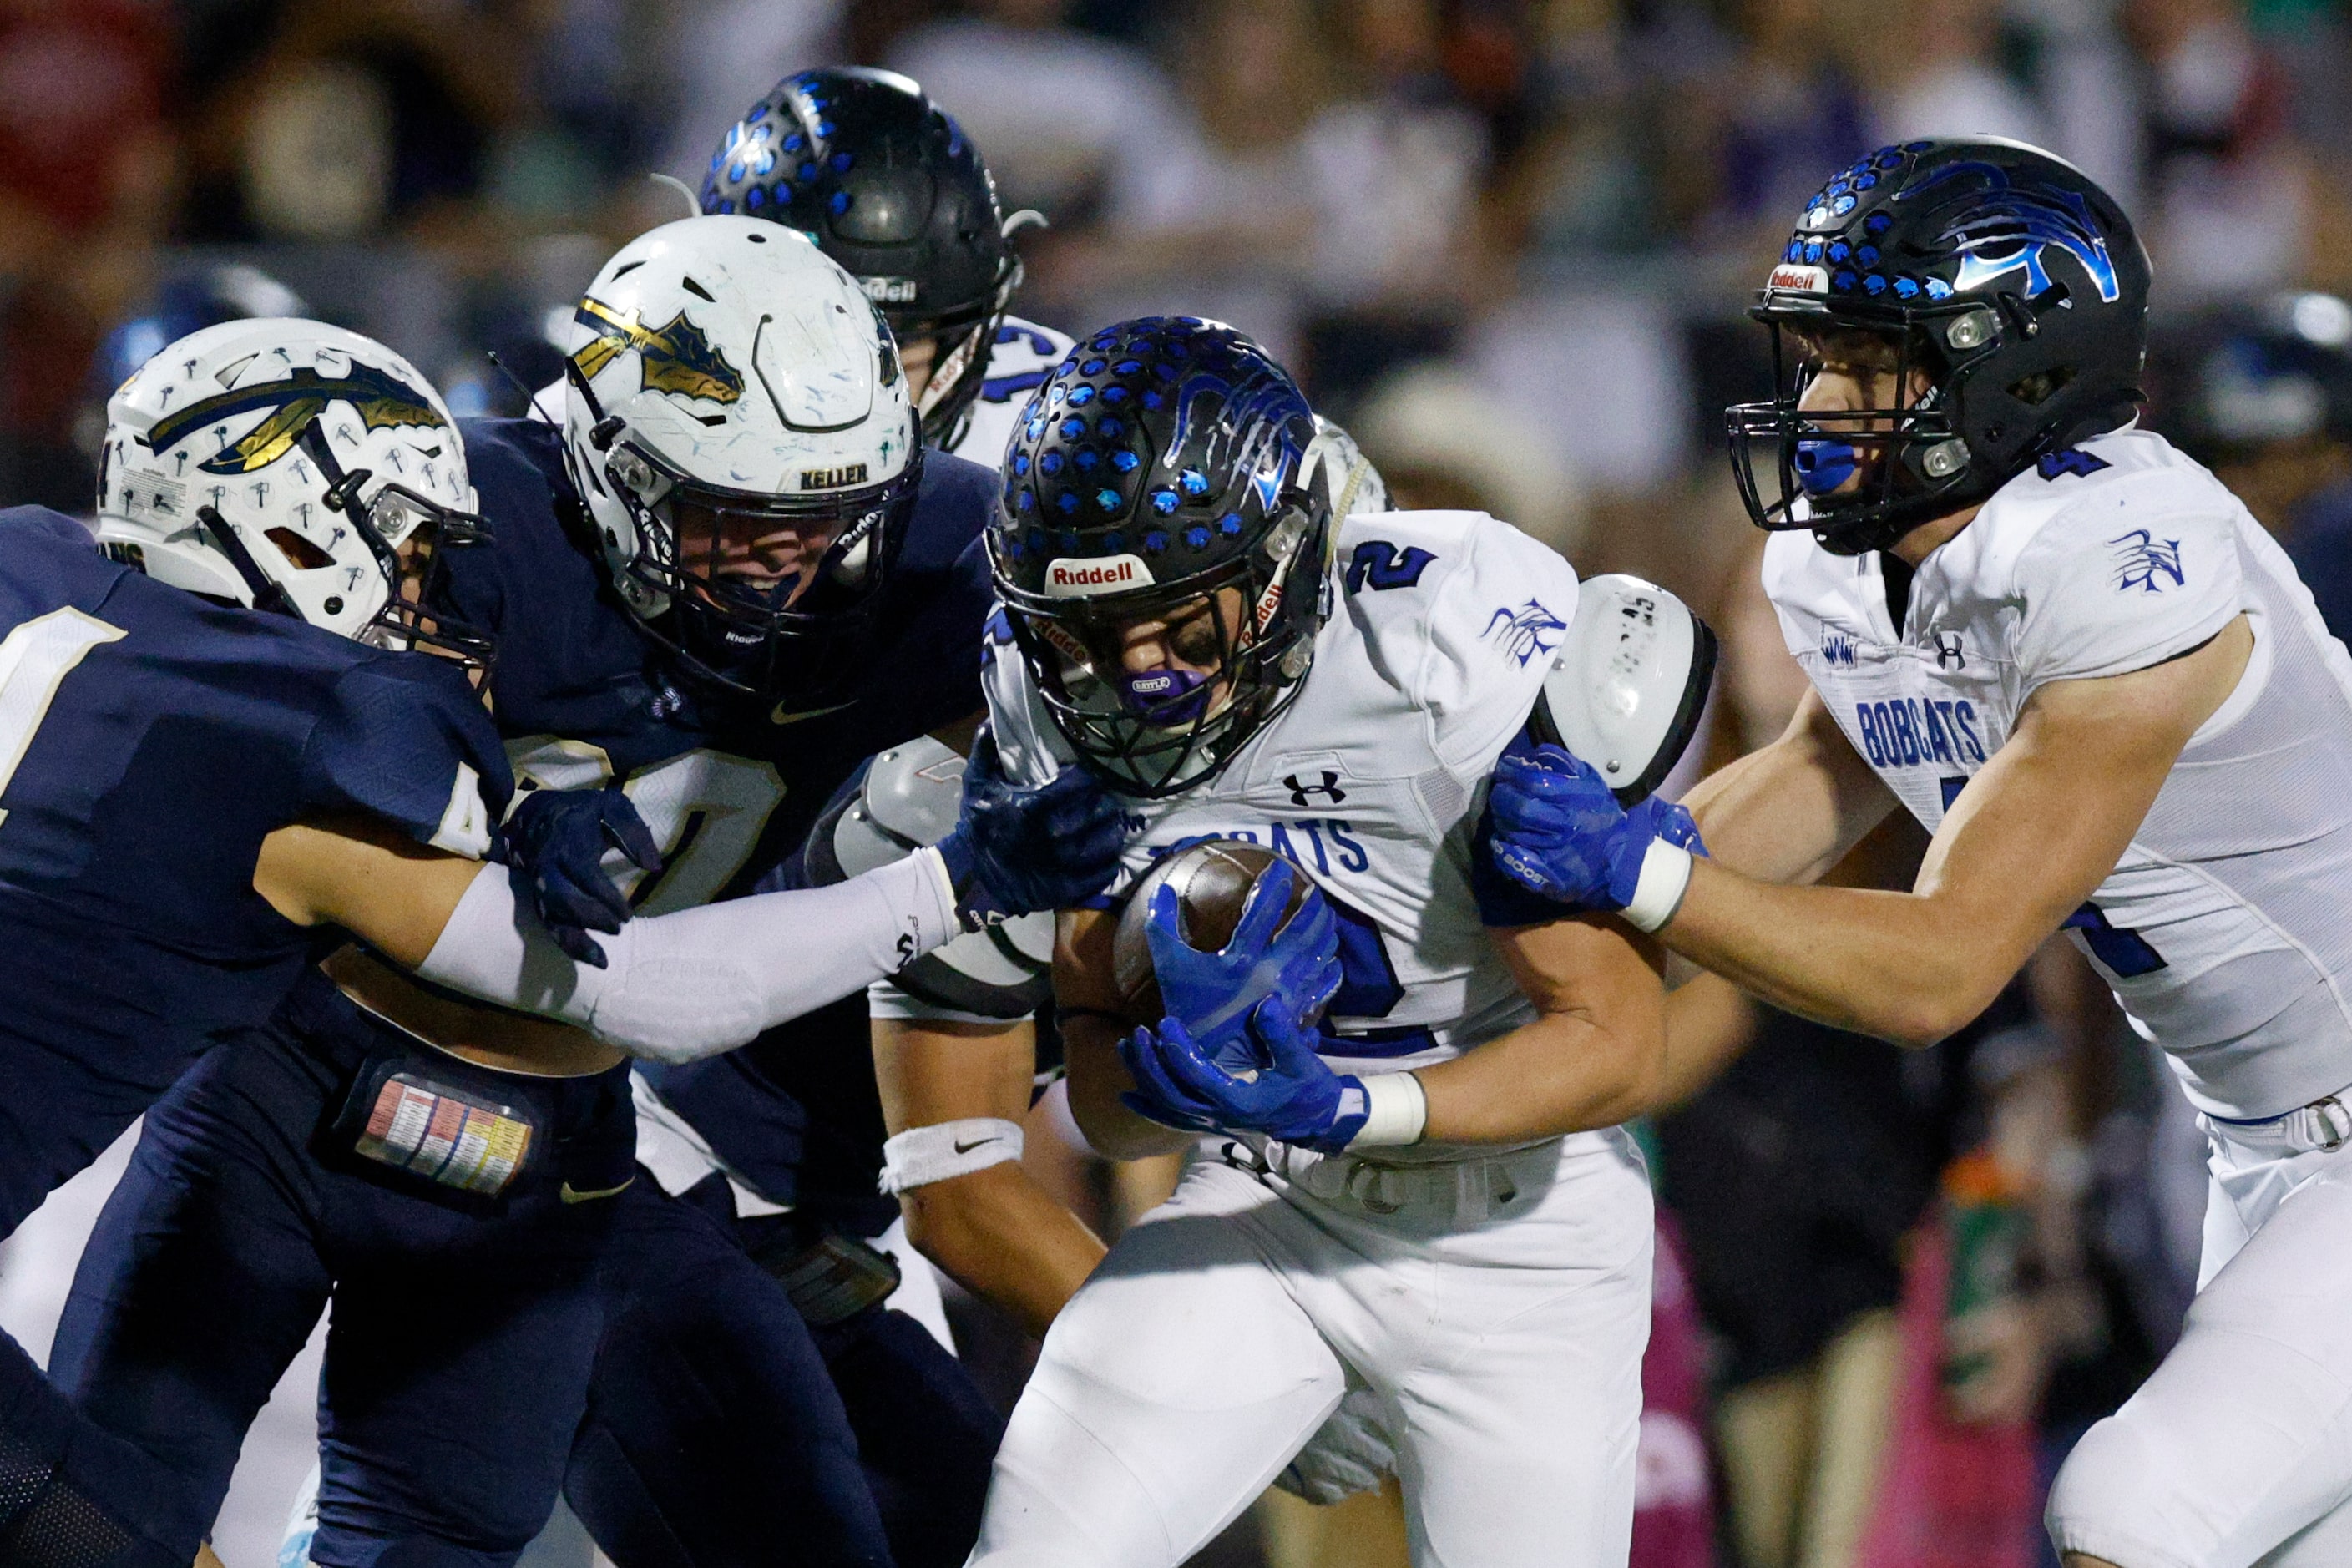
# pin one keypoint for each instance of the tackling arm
(1789, 811)
(2030, 838)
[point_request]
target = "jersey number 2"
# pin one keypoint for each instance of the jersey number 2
(35, 659)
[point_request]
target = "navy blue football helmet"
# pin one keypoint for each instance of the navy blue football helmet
(888, 184)
(1162, 475)
(2004, 274)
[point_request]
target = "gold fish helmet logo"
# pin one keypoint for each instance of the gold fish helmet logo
(677, 358)
(382, 400)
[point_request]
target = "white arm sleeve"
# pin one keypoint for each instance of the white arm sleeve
(690, 984)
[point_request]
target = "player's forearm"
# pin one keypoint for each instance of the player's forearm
(1789, 811)
(692, 984)
(1001, 1236)
(1563, 1073)
(1900, 966)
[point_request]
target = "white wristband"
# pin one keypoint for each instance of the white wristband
(1396, 1107)
(945, 1150)
(1658, 892)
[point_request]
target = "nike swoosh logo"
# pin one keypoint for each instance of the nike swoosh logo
(781, 717)
(968, 1147)
(571, 1195)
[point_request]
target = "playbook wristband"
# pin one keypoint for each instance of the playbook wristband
(1658, 891)
(946, 1150)
(1396, 1109)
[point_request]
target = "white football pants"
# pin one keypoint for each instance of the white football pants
(2238, 1451)
(1496, 1309)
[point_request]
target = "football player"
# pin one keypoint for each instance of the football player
(439, 1170)
(195, 795)
(2075, 656)
(1423, 1196)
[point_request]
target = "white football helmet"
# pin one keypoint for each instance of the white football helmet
(727, 375)
(290, 465)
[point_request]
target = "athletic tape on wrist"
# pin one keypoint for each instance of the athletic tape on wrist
(945, 1150)
(1658, 892)
(1396, 1107)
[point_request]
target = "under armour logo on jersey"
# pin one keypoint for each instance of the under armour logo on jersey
(2141, 558)
(1947, 651)
(1328, 789)
(1382, 565)
(2073, 460)
(1525, 632)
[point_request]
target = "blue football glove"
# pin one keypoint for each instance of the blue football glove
(1295, 962)
(555, 844)
(1015, 851)
(1557, 830)
(1290, 1093)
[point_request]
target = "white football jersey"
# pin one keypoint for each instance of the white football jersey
(1371, 779)
(1023, 356)
(2223, 928)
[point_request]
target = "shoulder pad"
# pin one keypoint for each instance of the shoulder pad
(909, 799)
(1630, 681)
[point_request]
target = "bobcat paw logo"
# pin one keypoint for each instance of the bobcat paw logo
(382, 400)
(676, 359)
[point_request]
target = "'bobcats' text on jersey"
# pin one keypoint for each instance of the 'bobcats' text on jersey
(1371, 779)
(2221, 929)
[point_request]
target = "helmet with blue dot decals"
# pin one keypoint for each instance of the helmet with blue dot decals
(888, 184)
(2005, 285)
(1162, 546)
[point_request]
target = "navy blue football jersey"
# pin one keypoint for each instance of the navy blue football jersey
(149, 741)
(729, 787)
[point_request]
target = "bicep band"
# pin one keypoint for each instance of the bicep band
(945, 1150)
(682, 986)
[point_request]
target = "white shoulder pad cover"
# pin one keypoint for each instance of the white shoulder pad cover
(909, 800)
(1625, 692)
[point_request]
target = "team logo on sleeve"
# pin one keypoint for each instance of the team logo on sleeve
(2142, 562)
(1525, 632)
(382, 400)
(677, 358)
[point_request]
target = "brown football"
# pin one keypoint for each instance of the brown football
(1213, 880)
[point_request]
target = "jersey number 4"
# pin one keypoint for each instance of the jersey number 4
(35, 659)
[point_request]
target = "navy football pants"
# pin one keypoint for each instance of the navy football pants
(724, 1432)
(464, 1329)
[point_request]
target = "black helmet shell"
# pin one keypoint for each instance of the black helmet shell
(1163, 460)
(888, 184)
(2006, 274)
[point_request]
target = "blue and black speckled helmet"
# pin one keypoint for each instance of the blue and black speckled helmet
(887, 183)
(1160, 476)
(2001, 272)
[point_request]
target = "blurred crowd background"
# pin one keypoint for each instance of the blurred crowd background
(1509, 244)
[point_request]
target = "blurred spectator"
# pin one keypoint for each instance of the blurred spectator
(2262, 395)
(1440, 440)
(1603, 375)
(1066, 118)
(1936, 72)
(1793, 117)
(2231, 194)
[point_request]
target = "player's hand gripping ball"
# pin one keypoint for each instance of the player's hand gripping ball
(1216, 928)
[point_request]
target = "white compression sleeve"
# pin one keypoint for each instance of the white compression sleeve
(682, 986)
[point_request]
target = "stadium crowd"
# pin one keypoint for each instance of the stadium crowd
(1508, 244)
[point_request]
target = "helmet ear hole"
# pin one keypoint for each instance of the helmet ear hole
(299, 553)
(2042, 385)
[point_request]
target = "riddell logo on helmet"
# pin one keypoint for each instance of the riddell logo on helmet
(890, 291)
(1800, 280)
(1069, 579)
